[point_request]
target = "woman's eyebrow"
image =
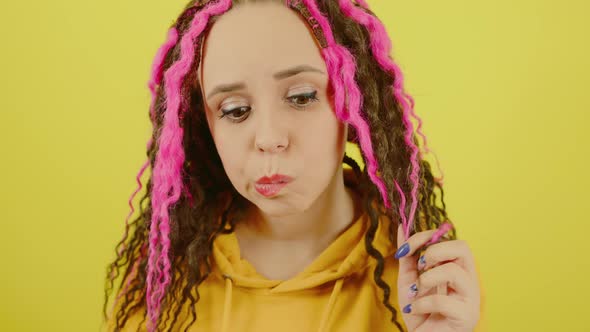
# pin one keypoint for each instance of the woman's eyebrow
(277, 76)
(294, 71)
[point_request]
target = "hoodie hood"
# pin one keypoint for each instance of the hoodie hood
(345, 256)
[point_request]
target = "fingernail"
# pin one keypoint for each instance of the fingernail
(421, 262)
(413, 291)
(402, 251)
(408, 308)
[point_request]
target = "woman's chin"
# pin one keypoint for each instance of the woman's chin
(278, 207)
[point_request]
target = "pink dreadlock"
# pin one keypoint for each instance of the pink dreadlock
(341, 70)
(169, 160)
(381, 47)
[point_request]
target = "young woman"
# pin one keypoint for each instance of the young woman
(253, 222)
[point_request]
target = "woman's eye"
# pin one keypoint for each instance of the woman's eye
(303, 100)
(236, 114)
(240, 114)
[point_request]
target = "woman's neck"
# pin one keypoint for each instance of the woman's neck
(267, 241)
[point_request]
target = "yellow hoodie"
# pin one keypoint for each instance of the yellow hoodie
(336, 292)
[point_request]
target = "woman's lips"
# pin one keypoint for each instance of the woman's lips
(270, 186)
(269, 189)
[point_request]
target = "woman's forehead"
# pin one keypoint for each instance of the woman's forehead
(257, 39)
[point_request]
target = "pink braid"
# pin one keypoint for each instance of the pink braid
(157, 65)
(335, 53)
(156, 78)
(402, 205)
(154, 81)
(168, 165)
(381, 48)
(440, 232)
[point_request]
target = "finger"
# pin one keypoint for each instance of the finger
(413, 289)
(447, 275)
(408, 271)
(456, 251)
(450, 307)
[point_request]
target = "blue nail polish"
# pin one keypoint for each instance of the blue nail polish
(421, 262)
(413, 292)
(402, 251)
(408, 308)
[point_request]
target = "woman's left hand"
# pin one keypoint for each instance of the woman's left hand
(448, 295)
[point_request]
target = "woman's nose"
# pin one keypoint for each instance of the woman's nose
(271, 134)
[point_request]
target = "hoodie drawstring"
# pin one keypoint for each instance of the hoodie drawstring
(227, 304)
(330, 306)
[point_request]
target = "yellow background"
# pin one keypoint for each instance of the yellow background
(501, 86)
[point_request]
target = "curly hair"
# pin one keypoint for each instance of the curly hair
(165, 252)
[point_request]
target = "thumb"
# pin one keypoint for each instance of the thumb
(408, 266)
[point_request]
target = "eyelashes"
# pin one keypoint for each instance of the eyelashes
(312, 96)
(239, 114)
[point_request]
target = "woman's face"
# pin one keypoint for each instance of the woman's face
(265, 83)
